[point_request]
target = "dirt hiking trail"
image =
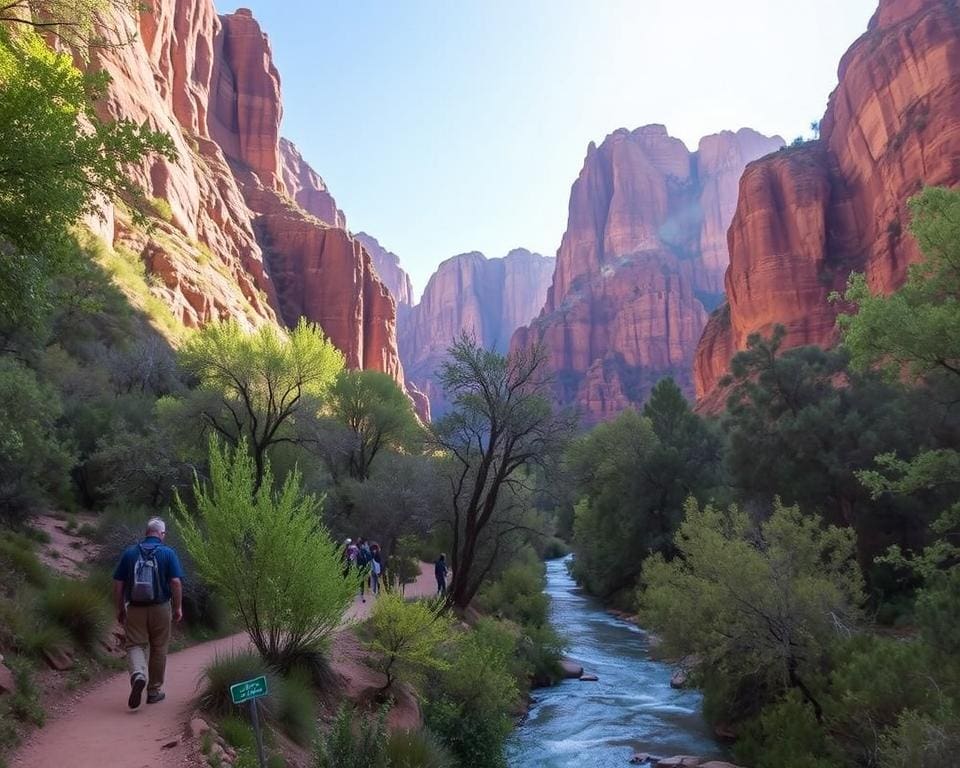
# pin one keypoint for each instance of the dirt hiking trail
(97, 730)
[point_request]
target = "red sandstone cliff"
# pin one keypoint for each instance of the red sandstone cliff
(388, 267)
(253, 232)
(488, 298)
(305, 186)
(638, 261)
(807, 217)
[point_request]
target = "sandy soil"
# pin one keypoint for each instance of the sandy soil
(97, 730)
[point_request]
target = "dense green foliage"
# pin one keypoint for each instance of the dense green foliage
(766, 601)
(470, 702)
(354, 741)
(269, 555)
(632, 476)
(57, 159)
(406, 636)
(378, 413)
(261, 380)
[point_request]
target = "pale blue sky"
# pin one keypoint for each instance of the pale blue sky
(444, 127)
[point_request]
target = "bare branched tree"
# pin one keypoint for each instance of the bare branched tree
(502, 423)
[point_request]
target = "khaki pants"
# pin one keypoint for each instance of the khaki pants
(148, 626)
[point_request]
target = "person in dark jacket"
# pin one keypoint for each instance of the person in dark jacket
(147, 621)
(440, 570)
(376, 568)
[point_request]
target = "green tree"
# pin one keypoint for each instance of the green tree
(631, 478)
(268, 554)
(800, 425)
(916, 330)
(501, 423)
(34, 460)
(57, 160)
(376, 410)
(472, 701)
(406, 637)
(262, 379)
(760, 605)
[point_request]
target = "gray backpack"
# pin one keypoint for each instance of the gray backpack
(146, 577)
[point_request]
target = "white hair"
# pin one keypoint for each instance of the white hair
(156, 525)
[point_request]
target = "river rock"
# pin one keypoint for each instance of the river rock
(588, 678)
(643, 757)
(571, 670)
(679, 679)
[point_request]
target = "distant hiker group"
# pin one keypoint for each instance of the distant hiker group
(366, 558)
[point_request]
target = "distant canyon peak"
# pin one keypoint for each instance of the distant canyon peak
(640, 264)
(486, 298)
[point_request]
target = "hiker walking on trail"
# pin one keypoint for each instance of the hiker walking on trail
(148, 593)
(440, 570)
(364, 557)
(376, 568)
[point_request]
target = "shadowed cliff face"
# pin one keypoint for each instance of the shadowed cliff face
(487, 298)
(254, 233)
(807, 217)
(639, 265)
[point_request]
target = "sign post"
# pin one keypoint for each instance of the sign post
(251, 690)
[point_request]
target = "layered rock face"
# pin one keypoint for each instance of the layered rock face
(319, 271)
(638, 265)
(254, 233)
(808, 216)
(487, 298)
(388, 267)
(306, 187)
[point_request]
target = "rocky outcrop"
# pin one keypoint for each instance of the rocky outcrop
(305, 186)
(388, 267)
(487, 298)
(637, 269)
(252, 232)
(319, 271)
(808, 216)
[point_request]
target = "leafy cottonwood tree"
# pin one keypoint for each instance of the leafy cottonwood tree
(268, 555)
(500, 423)
(57, 160)
(759, 605)
(376, 410)
(405, 637)
(263, 379)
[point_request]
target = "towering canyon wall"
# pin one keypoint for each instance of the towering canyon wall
(253, 233)
(487, 298)
(388, 267)
(639, 264)
(808, 216)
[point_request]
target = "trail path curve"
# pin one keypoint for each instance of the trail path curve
(97, 730)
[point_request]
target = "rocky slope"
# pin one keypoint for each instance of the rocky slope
(488, 298)
(639, 264)
(252, 232)
(808, 216)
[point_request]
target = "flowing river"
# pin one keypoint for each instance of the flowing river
(631, 709)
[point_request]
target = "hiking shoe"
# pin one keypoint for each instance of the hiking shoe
(137, 684)
(155, 696)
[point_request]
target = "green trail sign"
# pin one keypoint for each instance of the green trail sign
(248, 689)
